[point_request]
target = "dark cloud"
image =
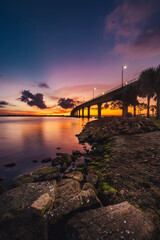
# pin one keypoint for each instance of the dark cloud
(33, 99)
(147, 43)
(43, 85)
(66, 103)
(135, 26)
(3, 104)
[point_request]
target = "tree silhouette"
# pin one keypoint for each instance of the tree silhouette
(115, 105)
(146, 85)
(141, 107)
(129, 96)
(157, 90)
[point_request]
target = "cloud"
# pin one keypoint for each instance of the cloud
(4, 104)
(66, 103)
(43, 85)
(53, 97)
(33, 99)
(82, 90)
(135, 27)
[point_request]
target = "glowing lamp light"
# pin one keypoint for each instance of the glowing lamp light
(93, 92)
(125, 66)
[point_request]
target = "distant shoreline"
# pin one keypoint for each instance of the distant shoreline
(33, 116)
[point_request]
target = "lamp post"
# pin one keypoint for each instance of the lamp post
(123, 67)
(93, 92)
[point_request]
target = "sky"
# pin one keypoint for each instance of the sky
(53, 53)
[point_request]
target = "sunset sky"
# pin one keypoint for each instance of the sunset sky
(54, 52)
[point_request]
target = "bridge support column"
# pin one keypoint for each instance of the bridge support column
(125, 110)
(83, 112)
(88, 112)
(99, 110)
(79, 113)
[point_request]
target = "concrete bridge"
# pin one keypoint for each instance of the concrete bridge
(108, 96)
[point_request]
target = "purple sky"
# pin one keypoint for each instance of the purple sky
(63, 49)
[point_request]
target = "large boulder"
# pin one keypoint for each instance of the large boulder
(92, 178)
(41, 174)
(121, 221)
(17, 220)
(66, 189)
(76, 175)
(84, 200)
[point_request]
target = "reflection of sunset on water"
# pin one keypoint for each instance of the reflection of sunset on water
(24, 139)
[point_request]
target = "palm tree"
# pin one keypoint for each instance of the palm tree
(157, 90)
(146, 85)
(130, 96)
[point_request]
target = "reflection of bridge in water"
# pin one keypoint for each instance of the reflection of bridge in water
(108, 96)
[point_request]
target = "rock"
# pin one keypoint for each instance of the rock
(1, 189)
(92, 178)
(66, 189)
(63, 168)
(37, 176)
(11, 164)
(76, 175)
(108, 197)
(84, 200)
(76, 153)
(42, 204)
(87, 186)
(56, 161)
(34, 161)
(46, 160)
(66, 158)
(1, 179)
(17, 220)
(92, 132)
(63, 159)
(55, 175)
(121, 221)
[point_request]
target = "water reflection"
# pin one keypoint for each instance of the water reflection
(25, 139)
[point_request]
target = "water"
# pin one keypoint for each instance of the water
(24, 139)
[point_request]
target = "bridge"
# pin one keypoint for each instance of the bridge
(107, 96)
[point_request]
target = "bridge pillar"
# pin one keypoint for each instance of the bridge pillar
(79, 113)
(89, 112)
(83, 112)
(99, 110)
(125, 110)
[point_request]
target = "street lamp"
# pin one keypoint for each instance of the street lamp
(123, 67)
(93, 92)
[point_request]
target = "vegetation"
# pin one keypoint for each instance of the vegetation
(147, 86)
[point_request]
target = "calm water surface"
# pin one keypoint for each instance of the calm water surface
(23, 139)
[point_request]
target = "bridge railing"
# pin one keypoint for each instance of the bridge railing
(115, 88)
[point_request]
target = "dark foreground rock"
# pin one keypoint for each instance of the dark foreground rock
(66, 189)
(41, 174)
(121, 221)
(84, 200)
(17, 220)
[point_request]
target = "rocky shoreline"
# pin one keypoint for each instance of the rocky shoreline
(111, 191)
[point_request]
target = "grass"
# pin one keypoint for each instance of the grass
(107, 187)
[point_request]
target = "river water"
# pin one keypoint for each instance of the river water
(24, 139)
